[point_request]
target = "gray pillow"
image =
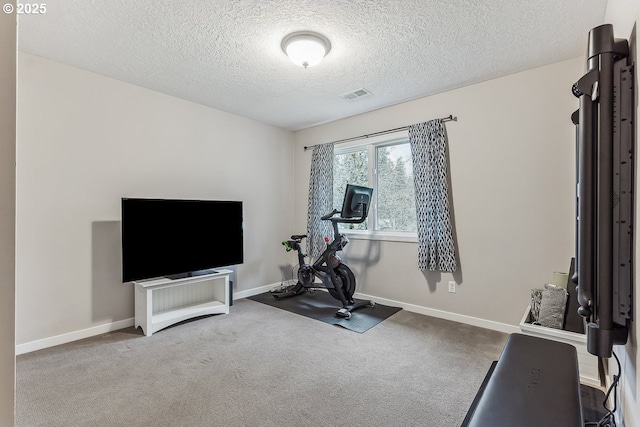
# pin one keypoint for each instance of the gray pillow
(552, 307)
(536, 298)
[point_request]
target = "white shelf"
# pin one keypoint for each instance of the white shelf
(164, 302)
(186, 311)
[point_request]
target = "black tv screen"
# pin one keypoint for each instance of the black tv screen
(173, 238)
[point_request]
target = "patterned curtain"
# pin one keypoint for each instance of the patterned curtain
(320, 199)
(436, 249)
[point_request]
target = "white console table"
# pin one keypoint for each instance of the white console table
(163, 302)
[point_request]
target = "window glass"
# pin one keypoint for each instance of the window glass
(396, 208)
(350, 168)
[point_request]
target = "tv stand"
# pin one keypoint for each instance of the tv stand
(164, 302)
(191, 274)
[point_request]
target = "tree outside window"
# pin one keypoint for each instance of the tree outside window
(389, 170)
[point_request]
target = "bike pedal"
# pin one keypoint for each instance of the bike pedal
(344, 313)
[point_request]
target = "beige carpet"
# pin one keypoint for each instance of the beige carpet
(260, 366)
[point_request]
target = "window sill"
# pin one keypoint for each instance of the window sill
(387, 237)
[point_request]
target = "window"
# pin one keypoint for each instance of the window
(350, 167)
(384, 164)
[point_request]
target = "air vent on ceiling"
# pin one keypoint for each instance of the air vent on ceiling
(356, 94)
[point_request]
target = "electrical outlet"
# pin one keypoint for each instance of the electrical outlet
(452, 287)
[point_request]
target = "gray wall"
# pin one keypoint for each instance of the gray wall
(99, 139)
(625, 15)
(512, 171)
(7, 215)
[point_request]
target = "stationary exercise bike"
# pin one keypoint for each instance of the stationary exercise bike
(332, 274)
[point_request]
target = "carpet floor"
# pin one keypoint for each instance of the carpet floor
(260, 366)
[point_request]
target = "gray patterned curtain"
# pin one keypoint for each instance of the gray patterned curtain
(320, 199)
(436, 249)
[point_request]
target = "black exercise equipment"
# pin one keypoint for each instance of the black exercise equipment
(332, 274)
(604, 224)
(535, 383)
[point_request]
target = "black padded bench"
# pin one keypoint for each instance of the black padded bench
(534, 383)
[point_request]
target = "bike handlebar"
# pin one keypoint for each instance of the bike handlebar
(362, 218)
(330, 214)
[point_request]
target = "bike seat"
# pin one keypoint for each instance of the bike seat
(298, 236)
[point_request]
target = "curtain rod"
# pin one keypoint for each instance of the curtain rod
(449, 118)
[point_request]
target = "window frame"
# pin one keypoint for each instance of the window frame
(370, 145)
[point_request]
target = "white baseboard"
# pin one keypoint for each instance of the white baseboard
(441, 314)
(72, 336)
(627, 409)
(255, 291)
(460, 318)
(108, 327)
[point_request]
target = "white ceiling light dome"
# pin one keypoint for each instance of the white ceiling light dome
(306, 48)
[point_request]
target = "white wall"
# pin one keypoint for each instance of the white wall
(7, 215)
(512, 173)
(625, 15)
(84, 142)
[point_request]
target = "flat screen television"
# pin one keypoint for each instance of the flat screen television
(179, 238)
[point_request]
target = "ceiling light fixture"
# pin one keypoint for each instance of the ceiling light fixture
(306, 48)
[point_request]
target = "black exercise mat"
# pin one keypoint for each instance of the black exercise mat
(320, 305)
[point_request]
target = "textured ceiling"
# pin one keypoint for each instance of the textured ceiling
(227, 55)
